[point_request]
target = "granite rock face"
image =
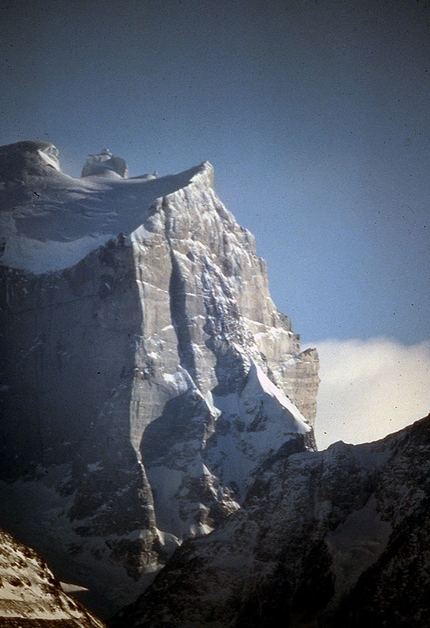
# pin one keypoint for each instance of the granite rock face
(147, 376)
(325, 539)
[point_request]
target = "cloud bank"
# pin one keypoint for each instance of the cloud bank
(370, 388)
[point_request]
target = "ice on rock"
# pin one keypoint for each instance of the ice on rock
(105, 164)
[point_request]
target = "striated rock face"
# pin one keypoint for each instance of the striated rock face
(147, 376)
(30, 596)
(331, 539)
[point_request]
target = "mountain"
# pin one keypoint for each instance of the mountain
(30, 596)
(332, 539)
(147, 378)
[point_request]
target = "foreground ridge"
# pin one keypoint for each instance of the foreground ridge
(30, 596)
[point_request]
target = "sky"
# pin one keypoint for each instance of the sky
(315, 115)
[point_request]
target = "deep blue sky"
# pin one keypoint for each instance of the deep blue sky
(315, 115)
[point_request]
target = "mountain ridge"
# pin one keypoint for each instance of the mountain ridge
(30, 596)
(324, 539)
(157, 419)
(135, 309)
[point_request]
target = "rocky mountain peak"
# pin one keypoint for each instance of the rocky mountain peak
(148, 370)
(19, 160)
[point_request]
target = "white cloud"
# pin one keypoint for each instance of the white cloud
(370, 388)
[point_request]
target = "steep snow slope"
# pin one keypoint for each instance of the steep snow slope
(147, 374)
(334, 539)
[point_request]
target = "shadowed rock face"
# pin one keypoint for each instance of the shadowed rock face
(66, 428)
(147, 375)
(331, 539)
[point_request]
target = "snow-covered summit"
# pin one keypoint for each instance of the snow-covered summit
(50, 221)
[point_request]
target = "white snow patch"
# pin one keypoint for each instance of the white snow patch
(50, 158)
(211, 405)
(167, 540)
(167, 327)
(96, 466)
(179, 381)
(68, 587)
(199, 530)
